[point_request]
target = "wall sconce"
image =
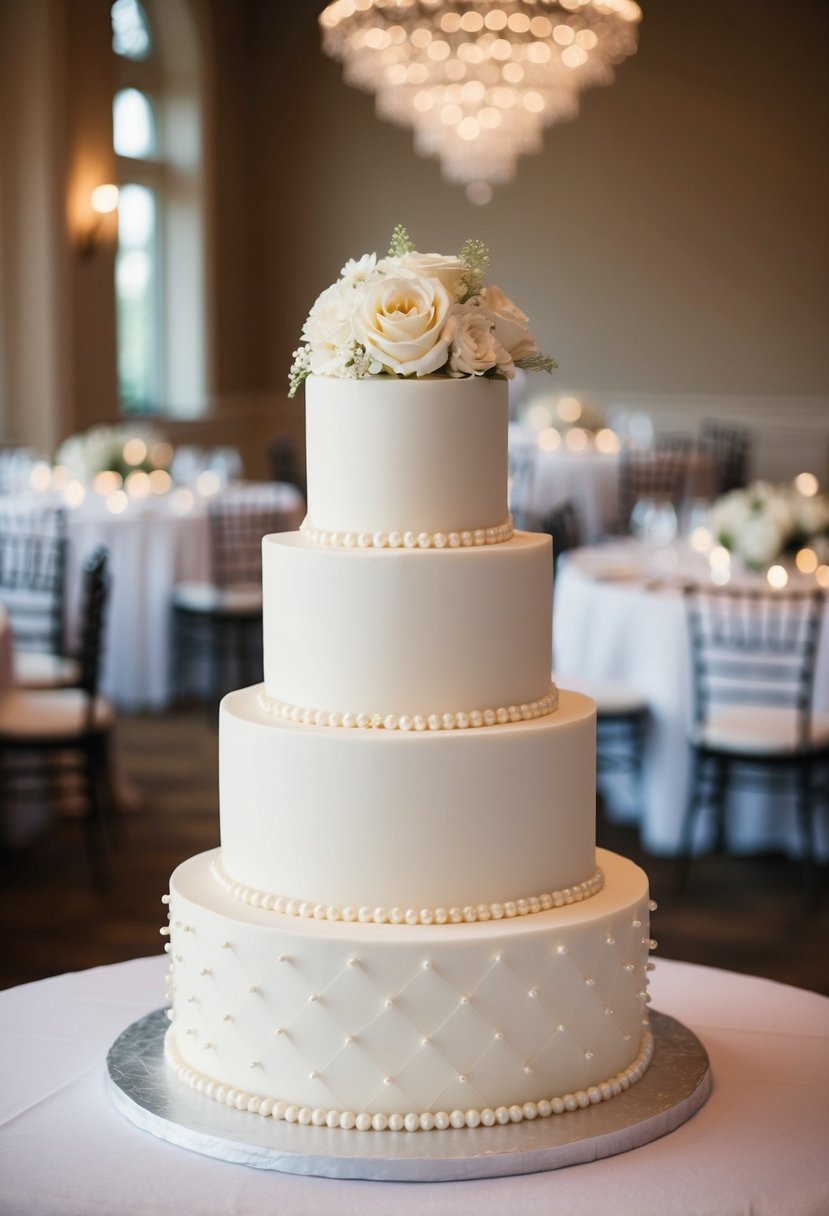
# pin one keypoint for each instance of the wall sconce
(104, 201)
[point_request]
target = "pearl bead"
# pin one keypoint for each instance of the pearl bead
(363, 1122)
(332, 1119)
(411, 1122)
(424, 540)
(395, 540)
(454, 540)
(439, 540)
(466, 538)
(501, 1115)
(433, 722)
(405, 722)
(457, 1118)
(409, 540)
(395, 1123)
(441, 1120)
(427, 1121)
(390, 722)
(348, 1119)
(380, 540)
(379, 1122)
(419, 722)
(488, 1116)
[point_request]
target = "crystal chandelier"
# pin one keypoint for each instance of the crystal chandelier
(478, 80)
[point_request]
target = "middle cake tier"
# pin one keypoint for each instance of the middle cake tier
(404, 632)
(374, 822)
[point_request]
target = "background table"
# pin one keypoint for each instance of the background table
(154, 545)
(619, 615)
(589, 479)
(758, 1145)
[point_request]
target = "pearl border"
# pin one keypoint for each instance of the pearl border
(408, 540)
(286, 906)
(412, 1121)
(460, 720)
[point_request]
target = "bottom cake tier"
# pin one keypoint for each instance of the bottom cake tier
(409, 1026)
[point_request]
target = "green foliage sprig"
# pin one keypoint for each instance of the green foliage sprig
(401, 243)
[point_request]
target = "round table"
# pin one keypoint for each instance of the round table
(154, 544)
(619, 616)
(758, 1144)
(589, 479)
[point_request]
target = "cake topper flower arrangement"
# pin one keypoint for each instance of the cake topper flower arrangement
(415, 314)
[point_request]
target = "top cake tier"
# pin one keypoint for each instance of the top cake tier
(391, 456)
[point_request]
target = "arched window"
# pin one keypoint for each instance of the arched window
(159, 272)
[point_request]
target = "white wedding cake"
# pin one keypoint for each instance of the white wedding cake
(408, 925)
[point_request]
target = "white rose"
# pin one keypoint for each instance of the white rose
(511, 324)
(400, 322)
(760, 540)
(473, 343)
(447, 269)
(328, 329)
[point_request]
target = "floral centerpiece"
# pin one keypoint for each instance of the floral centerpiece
(122, 449)
(415, 314)
(763, 522)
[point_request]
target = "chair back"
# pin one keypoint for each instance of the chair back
(285, 462)
(729, 447)
(239, 519)
(33, 548)
(657, 474)
(94, 598)
(521, 470)
(756, 648)
(564, 525)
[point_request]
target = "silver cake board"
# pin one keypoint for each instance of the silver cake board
(152, 1097)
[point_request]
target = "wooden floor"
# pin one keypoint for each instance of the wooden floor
(740, 914)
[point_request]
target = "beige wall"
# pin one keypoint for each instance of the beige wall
(670, 244)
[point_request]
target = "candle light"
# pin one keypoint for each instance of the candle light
(74, 493)
(606, 441)
(40, 476)
(117, 502)
(549, 439)
(777, 577)
(806, 561)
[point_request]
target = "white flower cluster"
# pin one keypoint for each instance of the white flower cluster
(102, 448)
(763, 521)
(414, 314)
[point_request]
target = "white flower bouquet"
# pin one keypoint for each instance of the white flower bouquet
(415, 314)
(763, 522)
(102, 449)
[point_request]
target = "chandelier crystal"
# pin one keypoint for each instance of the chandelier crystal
(477, 80)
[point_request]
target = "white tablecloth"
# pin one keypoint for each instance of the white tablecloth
(758, 1145)
(620, 617)
(589, 479)
(153, 545)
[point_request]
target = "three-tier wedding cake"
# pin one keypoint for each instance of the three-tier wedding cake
(408, 925)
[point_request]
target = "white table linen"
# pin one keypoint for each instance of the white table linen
(620, 616)
(758, 1145)
(589, 479)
